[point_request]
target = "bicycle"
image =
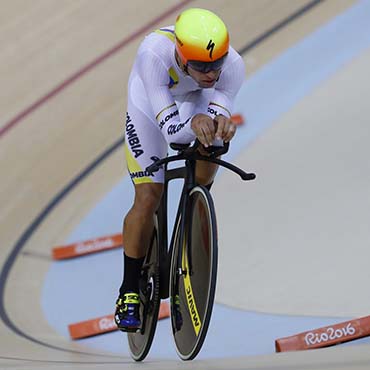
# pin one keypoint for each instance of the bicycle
(188, 268)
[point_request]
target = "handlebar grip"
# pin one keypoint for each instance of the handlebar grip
(248, 176)
(179, 147)
(217, 151)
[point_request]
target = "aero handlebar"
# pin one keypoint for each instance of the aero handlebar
(187, 152)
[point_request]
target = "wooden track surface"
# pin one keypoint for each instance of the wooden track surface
(63, 70)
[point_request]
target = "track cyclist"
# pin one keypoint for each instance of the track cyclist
(181, 87)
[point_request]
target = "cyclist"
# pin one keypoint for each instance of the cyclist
(181, 87)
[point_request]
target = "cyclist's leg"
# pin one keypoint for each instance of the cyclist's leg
(138, 223)
(143, 144)
(137, 230)
(205, 173)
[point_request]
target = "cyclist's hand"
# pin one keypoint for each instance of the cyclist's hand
(204, 128)
(225, 128)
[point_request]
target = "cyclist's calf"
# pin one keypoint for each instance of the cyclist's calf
(138, 223)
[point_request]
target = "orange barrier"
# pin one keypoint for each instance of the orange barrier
(238, 119)
(105, 324)
(326, 336)
(87, 247)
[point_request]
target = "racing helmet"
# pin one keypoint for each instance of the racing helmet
(201, 39)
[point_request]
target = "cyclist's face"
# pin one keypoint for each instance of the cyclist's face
(204, 79)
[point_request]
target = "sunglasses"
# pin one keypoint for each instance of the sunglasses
(205, 67)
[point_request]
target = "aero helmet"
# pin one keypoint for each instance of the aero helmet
(201, 36)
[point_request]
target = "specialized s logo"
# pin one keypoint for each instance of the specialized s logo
(210, 47)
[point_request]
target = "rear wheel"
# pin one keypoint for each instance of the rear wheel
(141, 341)
(193, 274)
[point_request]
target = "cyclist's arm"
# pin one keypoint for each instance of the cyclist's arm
(155, 78)
(220, 107)
(231, 79)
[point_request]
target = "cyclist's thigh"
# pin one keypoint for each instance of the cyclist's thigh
(148, 196)
(144, 144)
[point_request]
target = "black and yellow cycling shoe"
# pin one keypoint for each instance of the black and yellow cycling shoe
(127, 315)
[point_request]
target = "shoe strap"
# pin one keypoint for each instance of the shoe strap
(131, 298)
(177, 299)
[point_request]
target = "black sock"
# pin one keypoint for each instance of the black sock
(132, 268)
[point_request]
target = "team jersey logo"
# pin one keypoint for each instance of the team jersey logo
(174, 78)
(132, 138)
(167, 118)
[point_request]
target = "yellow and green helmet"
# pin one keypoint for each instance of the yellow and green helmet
(201, 38)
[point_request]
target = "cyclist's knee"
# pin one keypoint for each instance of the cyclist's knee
(205, 178)
(147, 197)
(205, 173)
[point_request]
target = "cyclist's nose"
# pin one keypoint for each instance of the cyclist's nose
(212, 74)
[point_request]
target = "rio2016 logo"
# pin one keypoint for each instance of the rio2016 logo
(313, 338)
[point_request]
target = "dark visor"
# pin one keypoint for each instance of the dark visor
(206, 67)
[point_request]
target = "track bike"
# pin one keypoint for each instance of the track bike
(186, 270)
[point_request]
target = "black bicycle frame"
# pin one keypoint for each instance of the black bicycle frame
(187, 172)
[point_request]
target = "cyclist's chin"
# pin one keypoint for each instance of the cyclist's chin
(206, 83)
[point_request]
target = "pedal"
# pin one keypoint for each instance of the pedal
(130, 330)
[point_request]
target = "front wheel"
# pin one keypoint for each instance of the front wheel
(193, 274)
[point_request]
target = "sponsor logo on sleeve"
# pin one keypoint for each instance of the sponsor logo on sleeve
(175, 128)
(167, 118)
(212, 111)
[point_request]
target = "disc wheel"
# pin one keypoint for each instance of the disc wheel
(193, 274)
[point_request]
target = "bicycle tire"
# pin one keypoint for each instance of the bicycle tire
(140, 342)
(200, 256)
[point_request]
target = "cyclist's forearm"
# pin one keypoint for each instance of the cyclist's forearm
(179, 132)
